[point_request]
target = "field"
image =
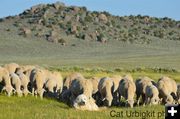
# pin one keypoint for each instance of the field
(160, 57)
(35, 108)
(160, 53)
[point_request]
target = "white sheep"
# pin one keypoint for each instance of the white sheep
(116, 80)
(37, 80)
(81, 86)
(105, 89)
(152, 95)
(54, 83)
(16, 82)
(11, 67)
(127, 89)
(24, 83)
(167, 90)
(4, 77)
(141, 84)
(68, 80)
(178, 93)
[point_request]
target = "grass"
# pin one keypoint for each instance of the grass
(154, 73)
(35, 108)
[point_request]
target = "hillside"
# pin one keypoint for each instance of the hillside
(117, 41)
(57, 22)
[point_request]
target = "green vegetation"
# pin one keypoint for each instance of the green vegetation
(35, 108)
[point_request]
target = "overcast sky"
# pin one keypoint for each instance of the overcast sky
(157, 8)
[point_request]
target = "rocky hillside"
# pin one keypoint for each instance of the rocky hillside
(54, 22)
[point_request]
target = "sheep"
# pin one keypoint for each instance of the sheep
(50, 86)
(178, 93)
(4, 77)
(59, 81)
(25, 70)
(24, 82)
(11, 67)
(105, 88)
(37, 80)
(152, 95)
(127, 89)
(16, 82)
(95, 82)
(141, 84)
(54, 83)
(84, 103)
(68, 80)
(167, 90)
(81, 86)
(116, 80)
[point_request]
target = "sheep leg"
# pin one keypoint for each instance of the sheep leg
(143, 99)
(138, 99)
(33, 91)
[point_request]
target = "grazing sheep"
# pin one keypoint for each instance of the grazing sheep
(68, 80)
(95, 93)
(24, 82)
(26, 70)
(127, 89)
(37, 80)
(95, 82)
(141, 84)
(116, 80)
(16, 83)
(178, 93)
(105, 88)
(59, 81)
(11, 67)
(81, 86)
(152, 95)
(50, 86)
(167, 90)
(4, 77)
(84, 103)
(54, 83)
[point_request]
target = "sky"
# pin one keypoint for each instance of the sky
(155, 8)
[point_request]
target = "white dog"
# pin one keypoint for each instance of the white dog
(83, 103)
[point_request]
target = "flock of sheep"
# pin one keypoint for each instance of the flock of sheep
(87, 94)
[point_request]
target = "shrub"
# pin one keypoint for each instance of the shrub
(1, 19)
(62, 41)
(88, 19)
(81, 35)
